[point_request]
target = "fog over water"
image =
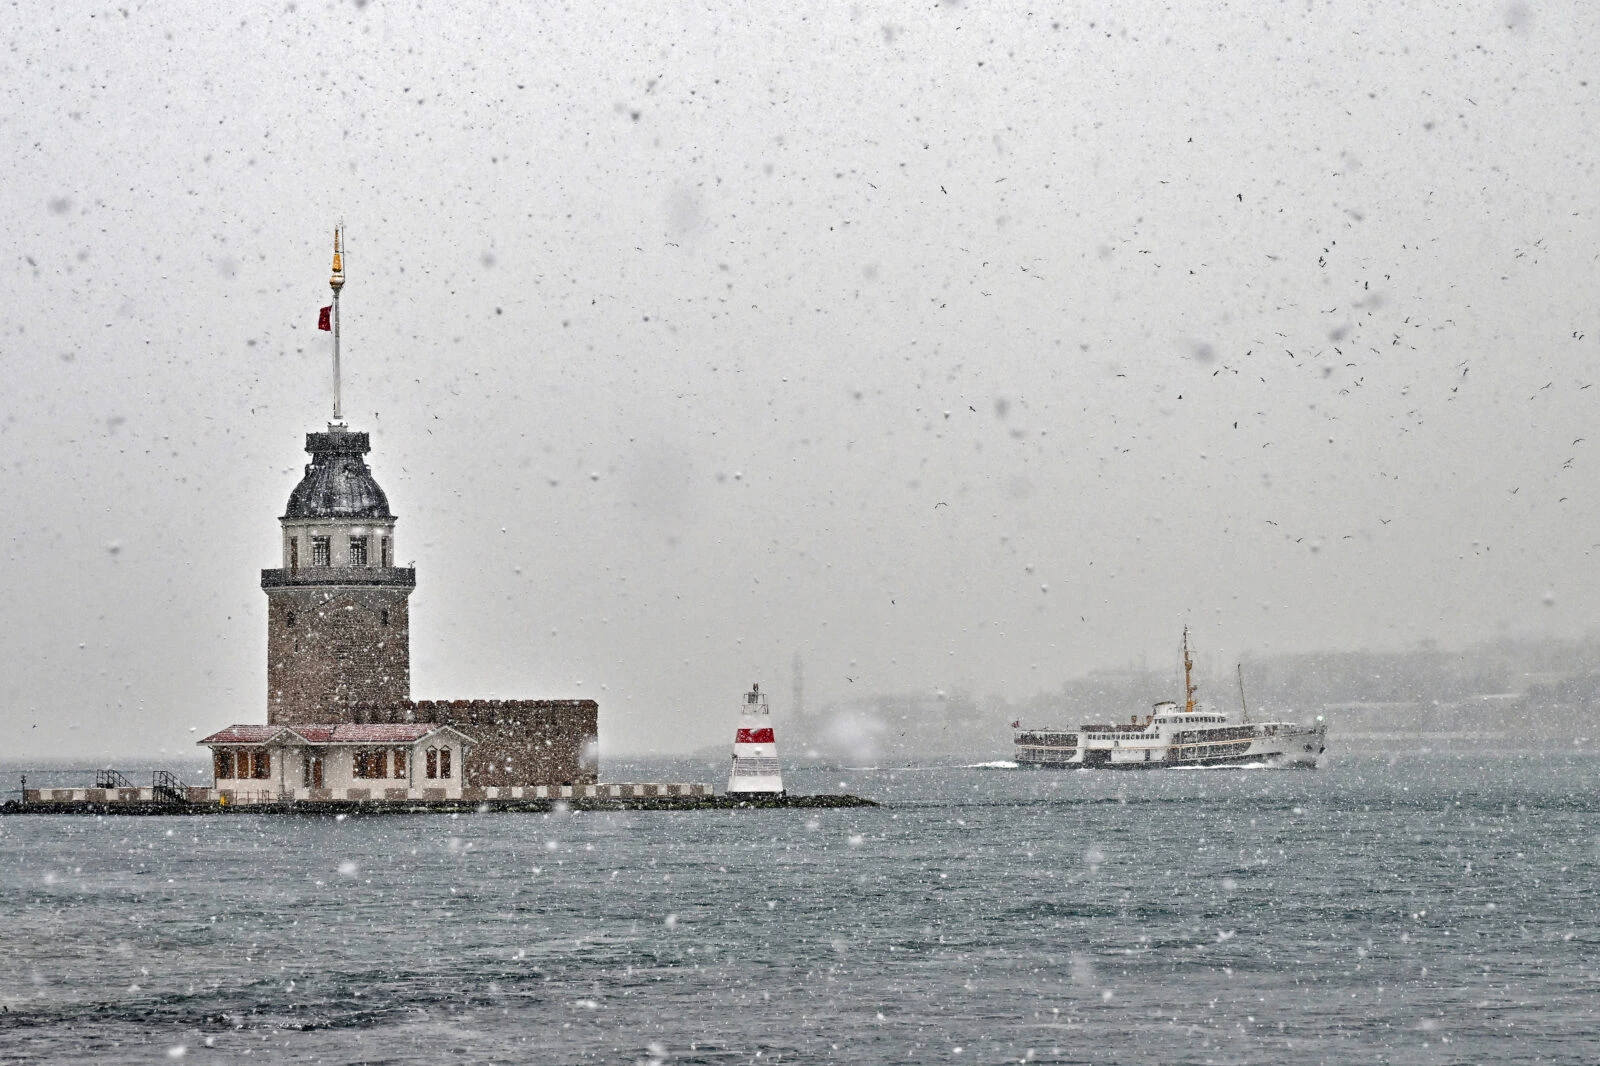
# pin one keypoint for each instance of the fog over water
(970, 345)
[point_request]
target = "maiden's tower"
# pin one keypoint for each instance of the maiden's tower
(338, 632)
(340, 720)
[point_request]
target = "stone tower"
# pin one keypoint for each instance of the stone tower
(338, 627)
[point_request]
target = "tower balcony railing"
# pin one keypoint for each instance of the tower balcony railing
(384, 576)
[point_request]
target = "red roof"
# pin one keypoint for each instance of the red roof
(244, 734)
(334, 733)
(381, 733)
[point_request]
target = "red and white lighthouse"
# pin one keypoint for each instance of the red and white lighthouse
(755, 751)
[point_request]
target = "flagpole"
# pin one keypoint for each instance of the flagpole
(336, 282)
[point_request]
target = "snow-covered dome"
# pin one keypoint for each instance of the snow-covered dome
(338, 483)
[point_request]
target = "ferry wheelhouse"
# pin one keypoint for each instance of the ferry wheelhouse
(1172, 735)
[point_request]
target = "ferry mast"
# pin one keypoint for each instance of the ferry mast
(1188, 675)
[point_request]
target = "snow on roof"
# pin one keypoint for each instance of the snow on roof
(244, 734)
(382, 733)
(332, 733)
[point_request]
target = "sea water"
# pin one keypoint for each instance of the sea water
(1428, 909)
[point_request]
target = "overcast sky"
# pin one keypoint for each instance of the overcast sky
(947, 345)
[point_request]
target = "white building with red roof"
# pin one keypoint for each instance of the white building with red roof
(381, 761)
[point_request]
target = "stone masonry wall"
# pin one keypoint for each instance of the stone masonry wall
(337, 653)
(519, 742)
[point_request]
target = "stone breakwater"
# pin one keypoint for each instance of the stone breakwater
(590, 798)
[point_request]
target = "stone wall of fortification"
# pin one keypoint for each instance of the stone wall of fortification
(519, 742)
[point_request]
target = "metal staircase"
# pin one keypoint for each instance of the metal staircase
(166, 787)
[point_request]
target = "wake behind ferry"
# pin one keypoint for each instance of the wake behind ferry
(1170, 735)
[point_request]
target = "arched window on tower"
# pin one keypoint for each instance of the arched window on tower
(432, 763)
(444, 762)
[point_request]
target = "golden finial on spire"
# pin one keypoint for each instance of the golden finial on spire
(337, 281)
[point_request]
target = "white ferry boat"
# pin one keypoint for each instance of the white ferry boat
(1170, 735)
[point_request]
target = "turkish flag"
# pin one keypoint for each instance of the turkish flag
(325, 318)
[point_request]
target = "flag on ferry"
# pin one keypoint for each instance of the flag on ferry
(325, 318)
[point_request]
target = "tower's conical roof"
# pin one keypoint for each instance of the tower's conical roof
(338, 483)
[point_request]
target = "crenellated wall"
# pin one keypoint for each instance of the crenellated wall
(517, 742)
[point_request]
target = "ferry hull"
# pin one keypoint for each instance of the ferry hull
(1299, 750)
(1172, 736)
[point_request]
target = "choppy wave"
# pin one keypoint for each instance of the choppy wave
(1154, 918)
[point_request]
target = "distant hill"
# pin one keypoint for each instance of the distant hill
(1512, 693)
